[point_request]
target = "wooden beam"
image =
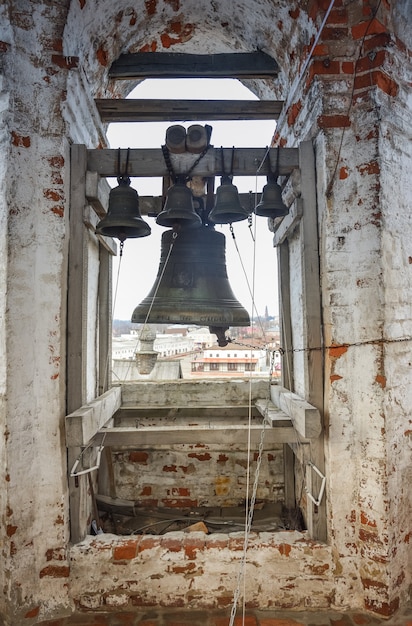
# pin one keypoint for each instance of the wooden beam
(314, 383)
(126, 415)
(130, 110)
(149, 162)
(305, 417)
(82, 424)
(97, 193)
(178, 65)
(286, 227)
(227, 434)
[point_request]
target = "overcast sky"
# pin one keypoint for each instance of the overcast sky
(141, 256)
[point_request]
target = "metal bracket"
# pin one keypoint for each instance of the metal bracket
(322, 486)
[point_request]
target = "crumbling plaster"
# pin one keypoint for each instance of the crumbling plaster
(55, 58)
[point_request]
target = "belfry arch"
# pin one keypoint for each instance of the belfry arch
(346, 284)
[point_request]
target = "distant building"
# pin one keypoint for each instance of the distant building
(231, 361)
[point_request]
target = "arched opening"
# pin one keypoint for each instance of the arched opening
(250, 255)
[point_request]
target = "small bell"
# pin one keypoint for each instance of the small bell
(271, 203)
(123, 219)
(227, 207)
(179, 209)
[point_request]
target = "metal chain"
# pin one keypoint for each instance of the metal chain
(367, 342)
(166, 156)
(251, 510)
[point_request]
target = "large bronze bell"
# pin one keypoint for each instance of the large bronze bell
(179, 209)
(271, 203)
(123, 219)
(227, 207)
(192, 286)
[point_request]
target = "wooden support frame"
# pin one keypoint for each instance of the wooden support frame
(81, 374)
(314, 382)
(150, 162)
(145, 110)
(137, 65)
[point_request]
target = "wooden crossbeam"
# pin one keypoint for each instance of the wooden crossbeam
(125, 415)
(178, 65)
(131, 110)
(149, 162)
(229, 434)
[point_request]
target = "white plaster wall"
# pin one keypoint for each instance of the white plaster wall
(396, 203)
(33, 322)
(365, 285)
(5, 114)
(99, 32)
(193, 570)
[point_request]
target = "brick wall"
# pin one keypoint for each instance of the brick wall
(194, 570)
(195, 476)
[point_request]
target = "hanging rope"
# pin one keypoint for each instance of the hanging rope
(241, 573)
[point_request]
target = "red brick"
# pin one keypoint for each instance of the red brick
(285, 549)
(125, 551)
(200, 457)
(55, 571)
(102, 56)
(338, 16)
(347, 67)
(367, 63)
(66, 63)
(10, 529)
(169, 468)
(293, 112)
(183, 569)
(172, 545)
(381, 40)
(138, 457)
(33, 612)
(148, 543)
(334, 33)
(151, 6)
(333, 121)
(178, 492)
(236, 543)
(385, 83)
(179, 503)
(343, 173)
(52, 194)
(386, 609)
(370, 168)
(142, 600)
(23, 141)
(369, 27)
(279, 622)
(326, 67)
(320, 50)
(192, 545)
